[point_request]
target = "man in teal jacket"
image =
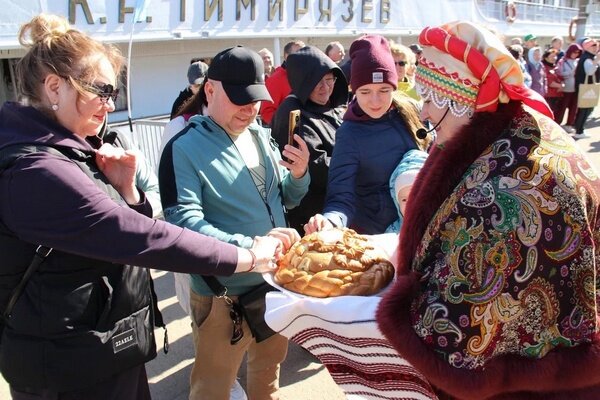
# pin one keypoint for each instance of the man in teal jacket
(223, 176)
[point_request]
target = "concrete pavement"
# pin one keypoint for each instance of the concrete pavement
(302, 376)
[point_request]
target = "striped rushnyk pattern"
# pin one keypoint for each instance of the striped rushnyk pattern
(342, 333)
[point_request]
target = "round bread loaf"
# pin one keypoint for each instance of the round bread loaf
(336, 262)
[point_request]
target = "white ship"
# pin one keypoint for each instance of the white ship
(171, 32)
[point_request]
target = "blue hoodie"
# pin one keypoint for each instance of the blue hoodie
(366, 153)
(205, 186)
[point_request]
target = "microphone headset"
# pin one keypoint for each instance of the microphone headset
(422, 132)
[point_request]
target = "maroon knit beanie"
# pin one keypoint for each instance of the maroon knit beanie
(372, 62)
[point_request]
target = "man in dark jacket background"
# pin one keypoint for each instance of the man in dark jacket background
(320, 92)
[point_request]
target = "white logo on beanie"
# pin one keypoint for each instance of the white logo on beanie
(377, 77)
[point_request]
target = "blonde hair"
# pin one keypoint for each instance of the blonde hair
(53, 47)
(409, 109)
(398, 49)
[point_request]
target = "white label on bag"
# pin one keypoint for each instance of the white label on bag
(589, 95)
(124, 340)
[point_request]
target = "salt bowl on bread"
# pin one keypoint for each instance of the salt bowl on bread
(334, 262)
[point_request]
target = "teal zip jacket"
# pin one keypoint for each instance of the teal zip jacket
(206, 187)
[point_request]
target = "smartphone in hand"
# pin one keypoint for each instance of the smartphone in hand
(293, 123)
(294, 118)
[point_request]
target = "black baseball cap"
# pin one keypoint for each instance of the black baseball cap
(241, 71)
(416, 48)
(197, 72)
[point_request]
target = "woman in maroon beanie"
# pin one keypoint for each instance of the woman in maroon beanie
(378, 129)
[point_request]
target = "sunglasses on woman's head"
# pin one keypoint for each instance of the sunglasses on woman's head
(400, 63)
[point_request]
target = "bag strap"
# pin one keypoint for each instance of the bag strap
(38, 258)
(159, 321)
(213, 283)
(8, 156)
(215, 286)
(271, 151)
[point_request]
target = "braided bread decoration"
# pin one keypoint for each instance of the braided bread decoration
(336, 262)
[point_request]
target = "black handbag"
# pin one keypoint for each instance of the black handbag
(251, 305)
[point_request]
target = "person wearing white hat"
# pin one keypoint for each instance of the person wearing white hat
(401, 182)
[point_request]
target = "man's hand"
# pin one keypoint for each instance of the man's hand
(297, 157)
(287, 237)
(317, 223)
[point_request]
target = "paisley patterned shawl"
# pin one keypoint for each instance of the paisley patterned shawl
(497, 279)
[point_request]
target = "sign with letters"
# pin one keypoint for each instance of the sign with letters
(187, 19)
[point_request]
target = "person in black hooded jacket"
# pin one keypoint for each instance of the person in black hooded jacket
(320, 92)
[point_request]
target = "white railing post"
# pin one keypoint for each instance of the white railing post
(147, 137)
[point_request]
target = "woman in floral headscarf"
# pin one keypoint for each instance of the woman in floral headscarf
(496, 293)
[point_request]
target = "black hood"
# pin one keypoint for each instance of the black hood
(306, 67)
(23, 124)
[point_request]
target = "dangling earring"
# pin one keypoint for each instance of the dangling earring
(54, 107)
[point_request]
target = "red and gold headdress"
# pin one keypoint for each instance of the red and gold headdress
(469, 65)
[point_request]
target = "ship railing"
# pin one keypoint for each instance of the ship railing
(148, 137)
(526, 11)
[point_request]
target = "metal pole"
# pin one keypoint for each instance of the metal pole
(276, 52)
(581, 19)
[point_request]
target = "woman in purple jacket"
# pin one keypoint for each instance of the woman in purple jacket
(73, 204)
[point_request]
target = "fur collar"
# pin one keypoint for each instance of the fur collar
(563, 373)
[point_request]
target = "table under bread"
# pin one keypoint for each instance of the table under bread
(343, 334)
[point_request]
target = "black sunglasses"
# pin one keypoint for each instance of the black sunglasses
(400, 63)
(235, 313)
(105, 91)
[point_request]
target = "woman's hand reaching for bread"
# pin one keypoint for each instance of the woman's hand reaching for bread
(261, 257)
(317, 223)
(287, 237)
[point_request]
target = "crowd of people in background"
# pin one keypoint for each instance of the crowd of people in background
(549, 70)
(360, 117)
(555, 73)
